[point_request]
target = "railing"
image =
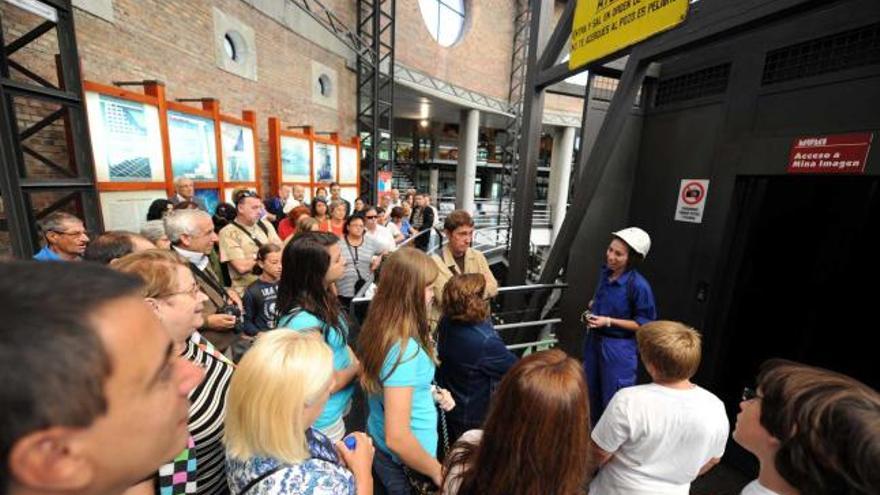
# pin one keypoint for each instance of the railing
(546, 336)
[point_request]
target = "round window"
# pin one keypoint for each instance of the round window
(444, 19)
(324, 85)
(229, 46)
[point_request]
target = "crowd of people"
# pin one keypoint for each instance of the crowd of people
(220, 353)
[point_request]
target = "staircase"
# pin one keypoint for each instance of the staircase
(404, 177)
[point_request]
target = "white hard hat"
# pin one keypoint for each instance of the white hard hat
(636, 238)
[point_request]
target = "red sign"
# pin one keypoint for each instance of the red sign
(837, 154)
(692, 193)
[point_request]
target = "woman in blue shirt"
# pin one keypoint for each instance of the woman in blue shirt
(311, 264)
(398, 361)
(623, 302)
(473, 358)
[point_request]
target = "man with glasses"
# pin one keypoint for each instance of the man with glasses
(65, 236)
(192, 236)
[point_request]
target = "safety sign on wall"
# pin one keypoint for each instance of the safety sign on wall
(602, 27)
(834, 154)
(691, 200)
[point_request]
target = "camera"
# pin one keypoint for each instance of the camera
(232, 309)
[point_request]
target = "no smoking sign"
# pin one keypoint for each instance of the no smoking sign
(691, 200)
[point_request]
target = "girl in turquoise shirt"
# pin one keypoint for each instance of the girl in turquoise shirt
(311, 263)
(398, 361)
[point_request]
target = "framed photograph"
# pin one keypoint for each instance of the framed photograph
(294, 159)
(349, 193)
(324, 160)
(126, 142)
(211, 198)
(193, 149)
(238, 153)
(348, 165)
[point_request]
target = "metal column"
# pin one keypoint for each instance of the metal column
(375, 90)
(72, 179)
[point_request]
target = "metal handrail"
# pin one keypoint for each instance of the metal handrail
(525, 345)
(526, 288)
(526, 324)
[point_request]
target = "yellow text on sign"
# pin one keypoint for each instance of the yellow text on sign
(601, 27)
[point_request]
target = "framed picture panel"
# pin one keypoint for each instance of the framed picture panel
(193, 147)
(324, 160)
(295, 159)
(126, 139)
(239, 159)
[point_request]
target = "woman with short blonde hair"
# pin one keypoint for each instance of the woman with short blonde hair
(277, 393)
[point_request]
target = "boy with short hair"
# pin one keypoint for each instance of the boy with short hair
(657, 438)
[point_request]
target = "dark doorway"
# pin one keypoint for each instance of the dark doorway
(801, 282)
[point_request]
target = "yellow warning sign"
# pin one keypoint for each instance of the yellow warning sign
(601, 27)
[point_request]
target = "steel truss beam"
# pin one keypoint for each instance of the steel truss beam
(16, 187)
(709, 21)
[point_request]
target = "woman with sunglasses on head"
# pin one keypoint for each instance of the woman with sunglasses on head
(275, 398)
(171, 290)
(398, 361)
(310, 266)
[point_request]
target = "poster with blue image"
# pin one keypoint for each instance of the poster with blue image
(193, 148)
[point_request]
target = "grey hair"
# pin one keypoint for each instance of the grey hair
(153, 230)
(179, 179)
(53, 222)
(179, 222)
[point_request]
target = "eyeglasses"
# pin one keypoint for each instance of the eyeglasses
(370, 217)
(192, 291)
(750, 393)
(78, 233)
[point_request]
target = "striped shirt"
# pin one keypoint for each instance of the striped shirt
(206, 414)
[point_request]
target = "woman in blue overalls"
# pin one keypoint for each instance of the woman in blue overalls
(623, 301)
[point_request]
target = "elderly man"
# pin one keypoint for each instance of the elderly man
(185, 190)
(243, 237)
(65, 236)
(192, 236)
(107, 350)
(459, 257)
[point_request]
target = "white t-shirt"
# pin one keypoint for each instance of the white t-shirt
(756, 488)
(660, 438)
(383, 238)
(394, 229)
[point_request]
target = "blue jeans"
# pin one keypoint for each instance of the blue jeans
(390, 473)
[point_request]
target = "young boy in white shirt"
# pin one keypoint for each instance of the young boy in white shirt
(657, 438)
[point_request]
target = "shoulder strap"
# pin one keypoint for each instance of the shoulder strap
(208, 279)
(354, 258)
(252, 236)
(254, 482)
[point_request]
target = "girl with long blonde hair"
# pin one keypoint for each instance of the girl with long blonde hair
(398, 361)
